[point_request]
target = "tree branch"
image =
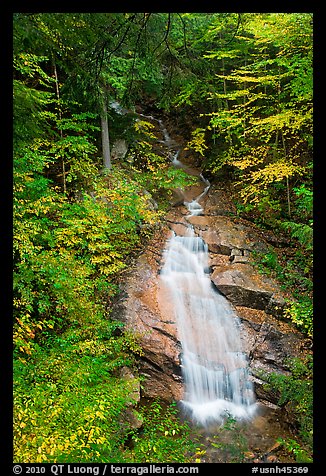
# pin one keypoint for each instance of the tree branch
(101, 51)
(165, 35)
(236, 30)
(132, 69)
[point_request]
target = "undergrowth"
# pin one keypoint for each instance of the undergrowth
(295, 396)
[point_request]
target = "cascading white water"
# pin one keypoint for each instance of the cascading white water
(214, 367)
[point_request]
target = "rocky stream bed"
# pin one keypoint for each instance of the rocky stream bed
(269, 341)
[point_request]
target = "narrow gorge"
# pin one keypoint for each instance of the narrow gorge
(207, 320)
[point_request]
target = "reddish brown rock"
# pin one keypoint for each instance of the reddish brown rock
(145, 306)
(243, 286)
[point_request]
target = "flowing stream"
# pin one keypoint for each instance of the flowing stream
(214, 367)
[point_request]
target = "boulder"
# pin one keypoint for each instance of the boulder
(239, 259)
(119, 149)
(219, 202)
(224, 235)
(244, 286)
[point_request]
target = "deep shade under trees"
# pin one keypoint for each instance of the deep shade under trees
(240, 86)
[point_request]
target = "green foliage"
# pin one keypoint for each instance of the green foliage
(304, 200)
(294, 275)
(302, 228)
(301, 314)
(164, 438)
(105, 228)
(270, 261)
(117, 75)
(300, 231)
(293, 447)
(261, 110)
(63, 250)
(153, 171)
(296, 394)
(31, 96)
(27, 65)
(197, 142)
(70, 402)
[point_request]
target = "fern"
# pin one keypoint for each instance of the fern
(300, 231)
(296, 392)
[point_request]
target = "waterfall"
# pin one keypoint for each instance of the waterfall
(214, 366)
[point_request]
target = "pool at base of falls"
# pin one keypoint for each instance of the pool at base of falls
(217, 411)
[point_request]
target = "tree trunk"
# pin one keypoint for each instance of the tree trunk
(287, 180)
(224, 80)
(61, 133)
(105, 137)
(288, 195)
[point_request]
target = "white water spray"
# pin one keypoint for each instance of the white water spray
(214, 366)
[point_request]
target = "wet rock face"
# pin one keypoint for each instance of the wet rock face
(236, 277)
(269, 343)
(145, 307)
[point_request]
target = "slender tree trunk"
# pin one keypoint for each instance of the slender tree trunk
(288, 195)
(224, 80)
(275, 145)
(244, 99)
(226, 102)
(265, 68)
(105, 136)
(287, 180)
(224, 85)
(61, 134)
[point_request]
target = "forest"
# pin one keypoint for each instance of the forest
(239, 86)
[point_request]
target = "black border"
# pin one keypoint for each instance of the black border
(204, 6)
